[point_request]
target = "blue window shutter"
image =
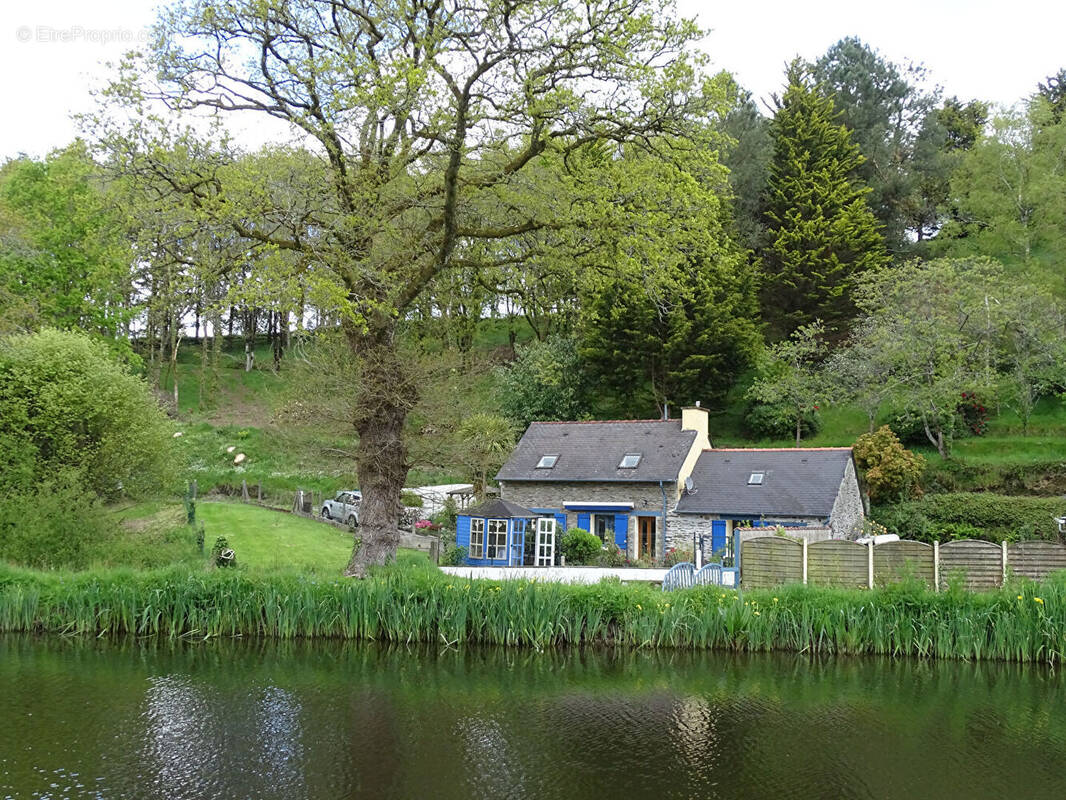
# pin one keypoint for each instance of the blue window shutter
(717, 535)
(462, 532)
(621, 530)
(560, 524)
(584, 521)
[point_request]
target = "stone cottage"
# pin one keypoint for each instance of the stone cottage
(796, 488)
(652, 485)
(617, 479)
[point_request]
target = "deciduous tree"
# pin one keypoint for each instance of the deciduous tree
(424, 120)
(791, 376)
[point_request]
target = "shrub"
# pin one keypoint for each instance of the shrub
(448, 515)
(973, 414)
(905, 520)
(67, 405)
(454, 556)
(611, 556)
(677, 555)
(544, 382)
(411, 499)
(222, 554)
(55, 523)
(890, 470)
(993, 516)
(777, 421)
(580, 547)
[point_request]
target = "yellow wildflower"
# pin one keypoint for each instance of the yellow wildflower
(640, 607)
(1038, 600)
(775, 599)
(1019, 597)
(756, 613)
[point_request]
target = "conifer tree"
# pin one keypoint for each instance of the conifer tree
(821, 232)
(682, 338)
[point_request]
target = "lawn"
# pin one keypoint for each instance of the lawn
(272, 540)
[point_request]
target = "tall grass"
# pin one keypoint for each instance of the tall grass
(1025, 622)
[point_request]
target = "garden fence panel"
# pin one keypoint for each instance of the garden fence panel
(771, 561)
(837, 562)
(1035, 559)
(897, 561)
(980, 564)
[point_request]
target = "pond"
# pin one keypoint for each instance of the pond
(87, 718)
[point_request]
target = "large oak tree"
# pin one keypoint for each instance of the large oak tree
(426, 122)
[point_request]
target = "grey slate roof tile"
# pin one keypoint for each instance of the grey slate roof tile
(498, 509)
(592, 451)
(797, 482)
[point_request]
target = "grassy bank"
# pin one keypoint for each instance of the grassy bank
(411, 602)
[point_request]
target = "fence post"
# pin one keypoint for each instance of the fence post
(1003, 545)
(804, 540)
(244, 491)
(870, 563)
(936, 566)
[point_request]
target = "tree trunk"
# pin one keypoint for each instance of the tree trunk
(937, 439)
(386, 393)
(799, 427)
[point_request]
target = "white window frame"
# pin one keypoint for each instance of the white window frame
(608, 519)
(623, 465)
(554, 460)
(477, 549)
(756, 478)
(544, 555)
(496, 550)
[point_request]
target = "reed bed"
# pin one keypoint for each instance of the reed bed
(1023, 622)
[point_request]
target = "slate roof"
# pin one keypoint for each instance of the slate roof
(592, 451)
(498, 509)
(797, 482)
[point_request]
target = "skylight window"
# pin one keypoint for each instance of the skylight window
(629, 461)
(755, 479)
(547, 462)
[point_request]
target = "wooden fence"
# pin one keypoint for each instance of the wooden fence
(775, 560)
(770, 560)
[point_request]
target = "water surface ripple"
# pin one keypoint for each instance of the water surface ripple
(87, 718)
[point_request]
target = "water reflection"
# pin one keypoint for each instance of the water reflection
(328, 720)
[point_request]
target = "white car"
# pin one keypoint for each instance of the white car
(343, 508)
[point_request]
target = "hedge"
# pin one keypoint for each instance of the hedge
(993, 516)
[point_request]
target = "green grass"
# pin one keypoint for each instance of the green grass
(272, 540)
(1023, 622)
(154, 534)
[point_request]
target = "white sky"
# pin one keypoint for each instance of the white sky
(51, 51)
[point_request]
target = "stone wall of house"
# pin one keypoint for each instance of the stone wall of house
(647, 499)
(848, 508)
(683, 527)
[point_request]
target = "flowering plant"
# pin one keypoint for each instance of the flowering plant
(974, 414)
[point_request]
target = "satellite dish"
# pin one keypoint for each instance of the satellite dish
(688, 485)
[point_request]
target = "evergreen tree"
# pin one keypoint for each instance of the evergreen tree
(1054, 92)
(684, 338)
(821, 232)
(747, 156)
(887, 108)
